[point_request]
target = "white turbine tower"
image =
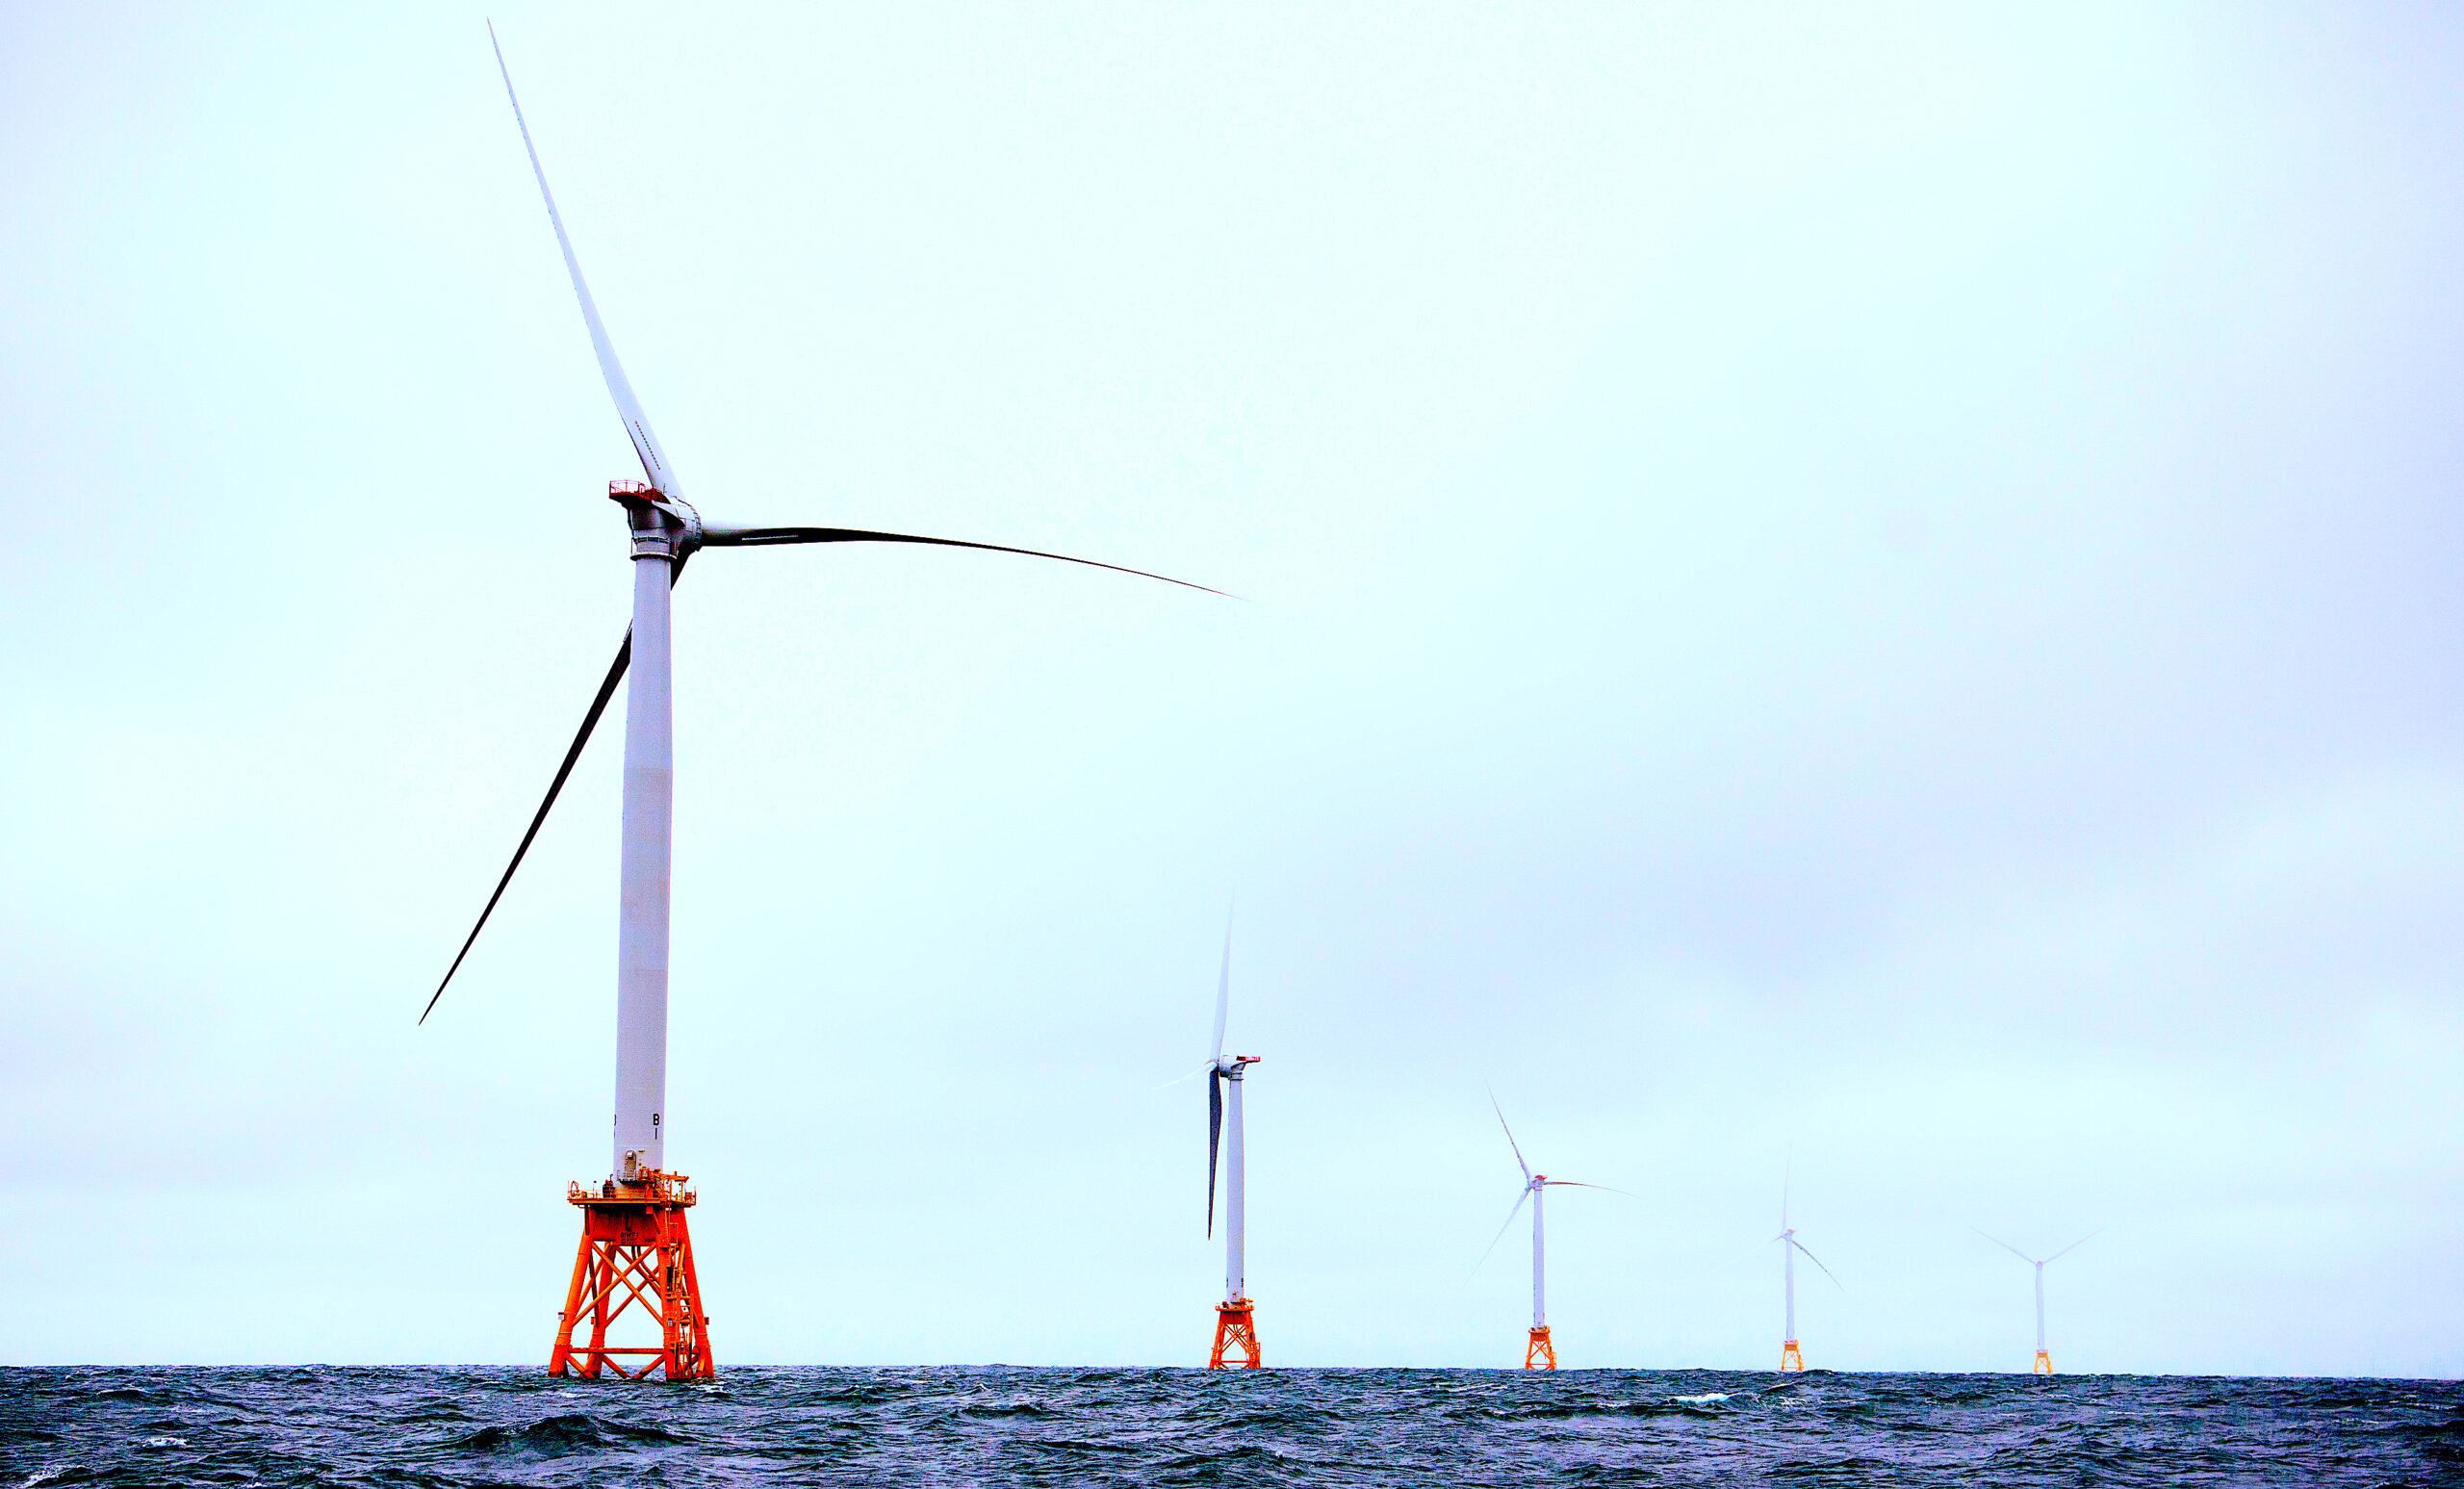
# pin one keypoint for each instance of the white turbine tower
(1791, 1358)
(1539, 1353)
(634, 1245)
(2044, 1365)
(1236, 1329)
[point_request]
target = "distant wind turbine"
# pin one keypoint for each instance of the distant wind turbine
(1538, 1352)
(1791, 1358)
(1236, 1329)
(2045, 1362)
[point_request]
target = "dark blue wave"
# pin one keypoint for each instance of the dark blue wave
(462, 1428)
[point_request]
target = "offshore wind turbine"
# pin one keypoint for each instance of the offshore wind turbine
(2044, 1365)
(1236, 1330)
(636, 1244)
(1539, 1353)
(1792, 1358)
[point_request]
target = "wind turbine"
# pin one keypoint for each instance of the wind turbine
(1538, 1352)
(636, 1245)
(1235, 1329)
(1791, 1358)
(2044, 1365)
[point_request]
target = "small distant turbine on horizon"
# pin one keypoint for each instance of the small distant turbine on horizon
(1236, 1330)
(1792, 1358)
(1539, 1353)
(2044, 1365)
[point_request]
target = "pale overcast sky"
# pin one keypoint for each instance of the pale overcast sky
(1866, 588)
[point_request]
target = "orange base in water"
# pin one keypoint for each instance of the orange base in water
(1236, 1334)
(1540, 1353)
(635, 1248)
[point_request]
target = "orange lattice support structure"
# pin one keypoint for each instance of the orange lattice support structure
(2044, 1365)
(1791, 1358)
(1236, 1334)
(635, 1248)
(1540, 1353)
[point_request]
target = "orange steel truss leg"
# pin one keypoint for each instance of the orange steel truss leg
(2044, 1365)
(572, 1307)
(636, 1250)
(1234, 1333)
(1540, 1353)
(1791, 1358)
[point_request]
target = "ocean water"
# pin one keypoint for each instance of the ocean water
(1006, 1426)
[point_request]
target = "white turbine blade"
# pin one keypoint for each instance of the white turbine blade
(1179, 1080)
(1510, 1137)
(638, 426)
(2076, 1244)
(1223, 995)
(1502, 1230)
(2015, 1250)
(1788, 1169)
(1602, 1188)
(1817, 1261)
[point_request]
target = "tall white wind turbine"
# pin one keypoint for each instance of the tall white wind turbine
(634, 1246)
(1792, 1358)
(1236, 1329)
(1539, 1352)
(2044, 1365)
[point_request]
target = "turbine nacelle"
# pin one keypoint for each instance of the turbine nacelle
(663, 525)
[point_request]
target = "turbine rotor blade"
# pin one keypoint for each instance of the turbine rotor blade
(637, 425)
(718, 535)
(1214, 1140)
(1510, 1137)
(1223, 995)
(573, 753)
(2076, 1244)
(1178, 1079)
(1502, 1230)
(1817, 1261)
(1602, 1188)
(2015, 1252)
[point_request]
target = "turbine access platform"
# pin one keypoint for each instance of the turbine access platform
(635, 1248)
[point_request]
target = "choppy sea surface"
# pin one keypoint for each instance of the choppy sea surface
(1000, 1426)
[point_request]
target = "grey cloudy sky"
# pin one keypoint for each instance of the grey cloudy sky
(1872, 590)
